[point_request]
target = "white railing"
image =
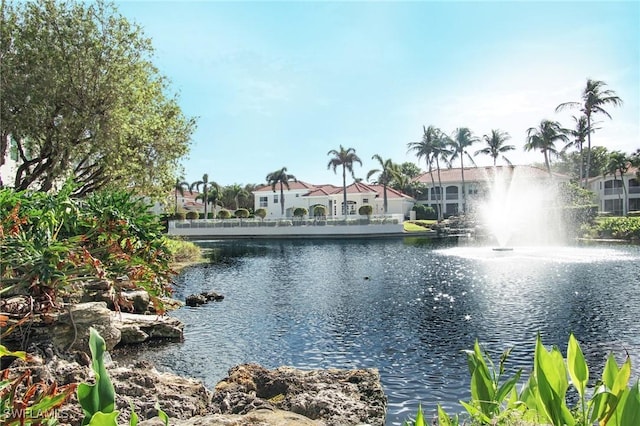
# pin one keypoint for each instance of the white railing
(288, 222)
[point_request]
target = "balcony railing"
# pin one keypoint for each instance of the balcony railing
(612, 191)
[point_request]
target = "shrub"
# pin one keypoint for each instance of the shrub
(261, 213)
(209, 215)
(619, 227)
(365, 210)
(50, 243)
(300, 212)
(180, 216)
(200, 215)
(191, 215)
(182, 251)
(424, 212)
(241, 213)
(634, 213)
(319, 211)
(224, 214)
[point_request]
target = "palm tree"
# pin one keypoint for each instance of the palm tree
(387, 172)
(543, 138)
(462, 139)
(496, 146)
(618, 163)
(212, 197)
(206, 186)
(282, 178)
(594, 99)
(580, 134)
(433, 147)
(234, 192)
(345, 158)
(179, 187)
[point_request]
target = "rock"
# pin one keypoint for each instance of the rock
(71, 330)
(212, 295)
(195, 300)
(262, 417)
(135, 328)
(337, 397)
(202, 298)
(139, 300)
(140, 383)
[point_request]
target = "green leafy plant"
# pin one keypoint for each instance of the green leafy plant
(491, 397)
(365, 210)
(300, 212)
(23, 402)
(97, 399)
(319, 211)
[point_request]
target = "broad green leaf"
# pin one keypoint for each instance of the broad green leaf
(577, 366)
(610, 371)
(6, 352)
(631, 410)
(163, 416)
(419, 417)
(104, 419)
(443, 417)
(475, 412)
(133, 421)
(507, 387)
(99, 397)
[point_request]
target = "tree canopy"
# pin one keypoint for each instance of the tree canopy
(81, 99)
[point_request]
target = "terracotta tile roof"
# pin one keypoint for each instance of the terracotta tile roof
(292, 186)
(479, 174)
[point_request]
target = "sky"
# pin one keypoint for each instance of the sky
(280, 84)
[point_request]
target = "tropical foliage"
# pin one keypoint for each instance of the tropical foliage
(280, 178)
(593, 101)
(496, 145)
(387, 172)
(543, 139)
(52, 243)
(347, 159)
(544, 398)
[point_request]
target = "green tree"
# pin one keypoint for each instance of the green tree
(434, 146)
(543, 138)
(594, 98)
(387, 172)
(462, 139)
(234, 193)
(570, 163)
(281, 178)
(179, 188)
(496, 146)
(210, 192)
(619, 164)
(81, 98)
(579, 134)
(345, 158)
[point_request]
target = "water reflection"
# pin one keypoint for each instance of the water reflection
(405, 306)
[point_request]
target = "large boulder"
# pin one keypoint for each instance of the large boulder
(336, 397)
(262, 417)
(71, 330)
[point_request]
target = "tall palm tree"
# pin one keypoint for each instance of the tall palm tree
(594, 99)
(618, 163)
(282, 178)
(387, 172)
(580, 134)
(461, 140)
(543, 138)
(206, 187)
(345, 158)
(434, 146)
(213, 197)
(179, 188)
(496, 146)
(234, 192)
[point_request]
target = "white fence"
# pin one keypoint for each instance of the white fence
(247, 228)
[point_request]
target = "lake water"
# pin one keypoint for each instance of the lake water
(406, 306)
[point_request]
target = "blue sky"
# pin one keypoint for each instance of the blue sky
(279, 84)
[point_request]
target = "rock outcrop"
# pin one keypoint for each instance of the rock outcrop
(337, 397)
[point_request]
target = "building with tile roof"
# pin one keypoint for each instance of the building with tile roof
(303, 194)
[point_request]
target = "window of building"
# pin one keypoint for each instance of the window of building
(275, 199)
(264, 201)
(365, 201)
